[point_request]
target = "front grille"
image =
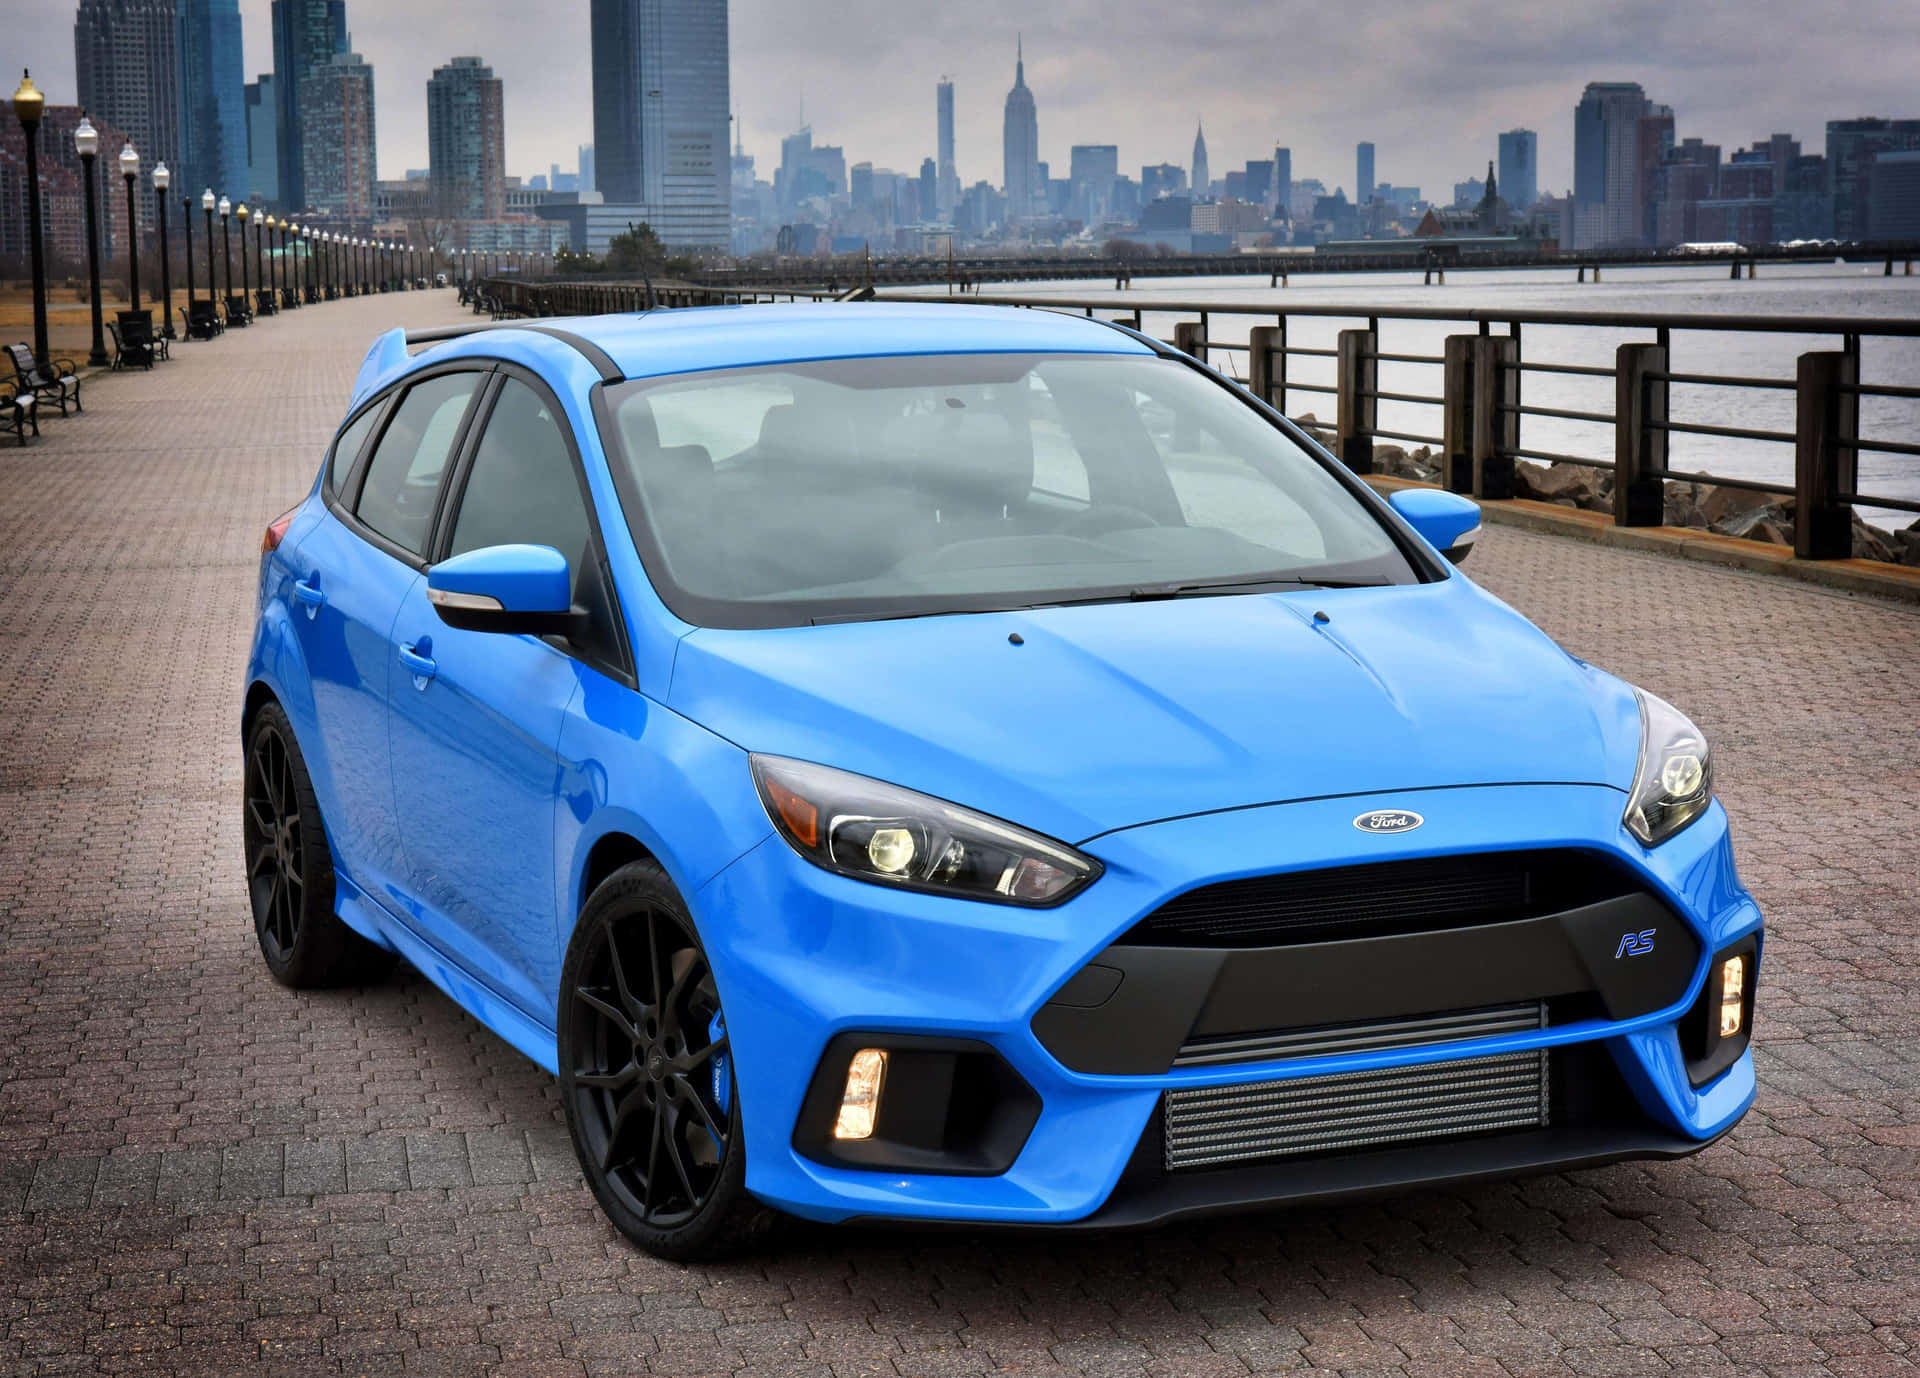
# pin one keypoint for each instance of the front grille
(1380, 898)
(1363, 1038)
(1351, 1111)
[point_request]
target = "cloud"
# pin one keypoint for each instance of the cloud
(1430, 84)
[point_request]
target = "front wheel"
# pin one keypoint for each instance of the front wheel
(647, 1077)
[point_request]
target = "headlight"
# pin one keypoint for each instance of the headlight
(1673, 784)
(892, 836)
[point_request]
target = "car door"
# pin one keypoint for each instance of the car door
(349, 575)
(476, 717)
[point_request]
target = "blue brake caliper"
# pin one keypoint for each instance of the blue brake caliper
(722, 1082)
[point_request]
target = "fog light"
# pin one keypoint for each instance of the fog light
(860, 1102)
(1733, 985)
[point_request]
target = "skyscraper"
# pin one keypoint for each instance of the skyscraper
(262, 180)
(1283, 180)
(1020, 146)
(127, 63)
(1606, 164)
(1520, 168)
(213, 110)
(660, 111)
(1852, 147)
(466, 141)
(1091, 172)
(1201, 179)
(929, 197)
(1363, 182)
(949, 180)
(588, 178)
(336, 139)
(306, 35)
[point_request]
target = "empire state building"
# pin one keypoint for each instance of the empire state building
(1020, 141)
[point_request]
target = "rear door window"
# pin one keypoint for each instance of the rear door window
(403, 477)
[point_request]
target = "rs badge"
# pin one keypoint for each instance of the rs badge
(1634, 944)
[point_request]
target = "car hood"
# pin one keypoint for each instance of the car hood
(1110, 715)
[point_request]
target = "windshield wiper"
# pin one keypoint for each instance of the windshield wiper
(1149, 592)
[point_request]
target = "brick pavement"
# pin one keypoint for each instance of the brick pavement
(201, 1172)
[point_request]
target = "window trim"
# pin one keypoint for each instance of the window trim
(454, 492)
(343, 504)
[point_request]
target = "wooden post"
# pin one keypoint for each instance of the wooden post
(1496, 426)
(1262, 342)
(1358, 383)
(1639, 446)
(1824, 465)
(1457, 390)
(1188, 340)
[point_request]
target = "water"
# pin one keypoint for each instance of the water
(1847, 290)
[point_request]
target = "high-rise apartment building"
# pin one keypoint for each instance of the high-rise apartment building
(1020, 147)
(1852, 147)
(336, 139)
(306, 36)
(928, 203)
(467, 141)
(262, 180)
(126, 59)
(213, 109)
(1282, 180)
(947, 190)
(661, 106)
(1606, 164)
(1202, 176)
(1520, 168)
(1091, 172)
(1363, 174)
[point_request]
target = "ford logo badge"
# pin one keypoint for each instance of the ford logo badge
(1388, 821)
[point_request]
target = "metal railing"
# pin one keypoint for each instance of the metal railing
(1485, 420)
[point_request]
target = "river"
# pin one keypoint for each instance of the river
(1849, 290)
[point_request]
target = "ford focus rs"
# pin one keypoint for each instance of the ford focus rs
(954, 764)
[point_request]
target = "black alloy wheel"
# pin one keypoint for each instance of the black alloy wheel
(646, 1072)
(290, 868)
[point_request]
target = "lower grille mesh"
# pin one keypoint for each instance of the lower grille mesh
(1349, 1111)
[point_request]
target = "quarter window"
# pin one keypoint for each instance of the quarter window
(403, 477)
(521, 488)
(347, 448)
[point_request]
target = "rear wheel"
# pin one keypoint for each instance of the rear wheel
(290, 868)
(647, 1076)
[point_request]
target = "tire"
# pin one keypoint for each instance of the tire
(654, 1115)
(290, 868)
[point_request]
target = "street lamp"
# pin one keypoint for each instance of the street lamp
(186, 219)
(130, 173)
(243, 215)
(226, 261)
(86, 142)
(263, 263)
(162, 179)
(28, 107)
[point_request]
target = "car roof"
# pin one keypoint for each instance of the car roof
(652, 343)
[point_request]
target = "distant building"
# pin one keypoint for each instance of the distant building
(1520, 167)
(336, 140)
(589, 180)
(62, 192)
(466, 141)
(1741, 209)
(1893, 196)
(126, 62)
(1606, 164)
(1202, 178)
(213, 104)
(947, 184)
(1161, 179)
(1467, 194)
(1688, 176)
(262, 180)
(1363, 174)
(1256, 183)
(1283, 181)
(1020, 147)
(661, 107)
(1802, 207)
(1091, 171)
(1852, 147)
(307, 35)
(929, 206)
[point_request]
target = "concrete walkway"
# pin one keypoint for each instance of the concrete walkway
(200, 1171)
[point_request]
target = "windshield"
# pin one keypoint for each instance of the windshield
(908, 486)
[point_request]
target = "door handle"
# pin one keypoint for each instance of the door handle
(423, 667)
(309, 595)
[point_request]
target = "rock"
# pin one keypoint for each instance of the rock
(1769, 522)
(1682, 504)
(1572, 485)
(1871, 543)
(1721, 503)
(1909, 544)
(1419, 464)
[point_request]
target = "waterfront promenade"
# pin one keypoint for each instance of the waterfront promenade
(201, 1172)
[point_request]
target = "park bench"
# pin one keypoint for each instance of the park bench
(203, 319)
(17, 410)
(239, 312)
(59, 381)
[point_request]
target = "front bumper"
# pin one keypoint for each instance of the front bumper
(802, 956)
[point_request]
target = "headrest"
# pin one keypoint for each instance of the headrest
(812, 433)
(973, 461)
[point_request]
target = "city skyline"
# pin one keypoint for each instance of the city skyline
(1383, 82)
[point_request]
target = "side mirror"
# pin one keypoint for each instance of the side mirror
(1446, 521)
(504, 588)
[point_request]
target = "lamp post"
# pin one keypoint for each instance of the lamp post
(86, 141)
(162, 179)
(186, 219)
(243, 215)
(130, 173)
(226, 260)
(28, 107)
(269, 270)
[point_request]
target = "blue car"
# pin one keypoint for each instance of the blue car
(955, 764)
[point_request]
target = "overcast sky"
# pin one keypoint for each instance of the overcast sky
(1431, 84)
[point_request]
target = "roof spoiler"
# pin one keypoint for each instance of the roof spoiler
(602, 364)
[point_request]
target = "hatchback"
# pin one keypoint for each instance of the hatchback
(947, 763)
